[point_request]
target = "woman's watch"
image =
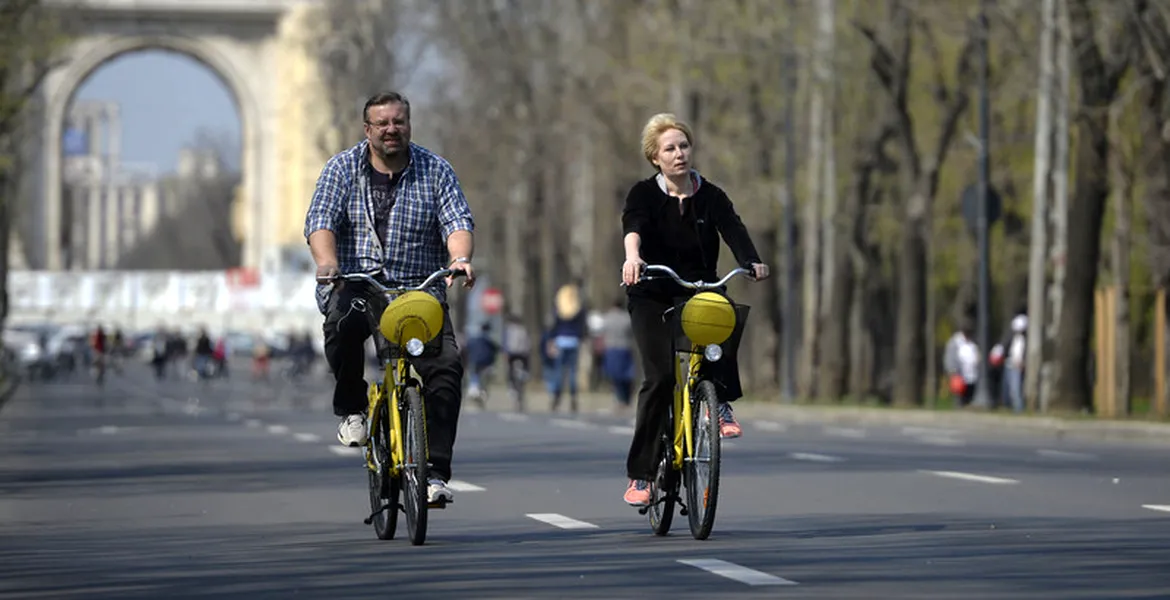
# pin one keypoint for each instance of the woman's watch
(460, 259)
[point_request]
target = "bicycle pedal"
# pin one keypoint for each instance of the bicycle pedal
(439, 505)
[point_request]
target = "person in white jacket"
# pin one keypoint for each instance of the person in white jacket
(961, 363)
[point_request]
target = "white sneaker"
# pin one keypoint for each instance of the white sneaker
(352, 431)
(437, 489)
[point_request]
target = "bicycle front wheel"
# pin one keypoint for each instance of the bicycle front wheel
(383, 488)
(414, 472)
(701, 469)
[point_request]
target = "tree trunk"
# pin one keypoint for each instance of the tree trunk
(1098, 86)
(1120, 264)
(910, 344)
(820, 180)
(1041, 175)
(1059, 208)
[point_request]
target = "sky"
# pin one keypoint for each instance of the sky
(165, 99)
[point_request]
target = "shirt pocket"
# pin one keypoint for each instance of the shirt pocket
(413, 219)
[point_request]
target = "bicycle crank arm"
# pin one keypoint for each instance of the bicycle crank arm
(370, 519)
(645, 509)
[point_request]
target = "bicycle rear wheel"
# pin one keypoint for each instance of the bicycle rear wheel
(663, 491)
(414, 472)
(383, 487)
(701, 470)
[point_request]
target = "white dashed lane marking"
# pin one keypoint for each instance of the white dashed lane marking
(561, 521)
(736, 572)
(972, 477)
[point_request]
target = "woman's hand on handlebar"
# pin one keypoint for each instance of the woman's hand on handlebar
(632, 270)
(760, 271)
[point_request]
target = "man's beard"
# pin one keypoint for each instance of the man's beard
(391, 151)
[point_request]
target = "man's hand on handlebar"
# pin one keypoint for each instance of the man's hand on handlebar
(468, 272)
(760, 271)
(327, 273)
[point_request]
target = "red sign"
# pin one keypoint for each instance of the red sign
(242, 277)
(491, 301)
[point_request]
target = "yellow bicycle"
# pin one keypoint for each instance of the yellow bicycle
(396, 449)
(690, 440)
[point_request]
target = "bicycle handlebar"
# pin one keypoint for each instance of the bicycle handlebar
(694, 285)
(366, 277)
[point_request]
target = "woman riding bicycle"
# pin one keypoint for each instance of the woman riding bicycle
(674, 218)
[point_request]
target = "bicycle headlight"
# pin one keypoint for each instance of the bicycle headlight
(414, 347)
(713, 352)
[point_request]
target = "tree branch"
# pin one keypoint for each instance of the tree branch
(960, 98)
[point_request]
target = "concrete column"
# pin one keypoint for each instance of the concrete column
(93, 216)
(113, 212)
(129, 215)
(114, 121)
(148, 208)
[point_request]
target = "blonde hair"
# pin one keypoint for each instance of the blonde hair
(568, 301)
(658, 125)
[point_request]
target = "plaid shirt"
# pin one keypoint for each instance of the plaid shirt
(429, 206)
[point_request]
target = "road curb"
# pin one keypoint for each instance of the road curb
(1053, 426)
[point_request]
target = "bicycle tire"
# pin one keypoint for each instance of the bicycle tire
(383, 487)
(703, 493)
(414, 476)
(663, 491)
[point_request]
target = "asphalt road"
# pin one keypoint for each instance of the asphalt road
(236, 490)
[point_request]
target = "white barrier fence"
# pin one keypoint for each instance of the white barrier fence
(146, 299)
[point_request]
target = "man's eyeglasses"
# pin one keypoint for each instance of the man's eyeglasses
(383, 125)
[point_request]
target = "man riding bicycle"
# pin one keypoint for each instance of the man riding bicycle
(395, 210)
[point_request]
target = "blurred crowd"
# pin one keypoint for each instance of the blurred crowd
(46, 351)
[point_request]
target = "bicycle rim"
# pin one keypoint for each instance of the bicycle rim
(663, 492)
(414, 473)
(383, 488)
(702, 467)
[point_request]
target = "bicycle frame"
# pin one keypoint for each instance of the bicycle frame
(396, 375)
(396, 371)
(684, 435)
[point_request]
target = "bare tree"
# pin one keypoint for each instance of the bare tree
(199, 235)
(362, 50)
(891, 62)
(821, 200)
(1099, 73)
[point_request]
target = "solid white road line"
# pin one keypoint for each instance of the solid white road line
(462, 486)
(278, 429)
(972, 477)
(307, 437)
(1158, 507)
(940, 440)
(736, 572)
(561, 521)
(809, 456)
(345, 451)
(849, 432)
(514, 417)
(769, 426)
(928, 431)
(621, 430)
(1063, 454)
(570, 424)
